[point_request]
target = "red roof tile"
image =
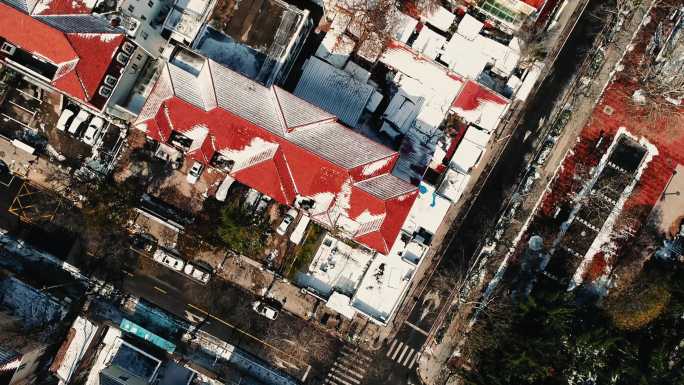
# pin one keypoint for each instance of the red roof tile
(34, 36)
(352, 182)
(94, 52)
(472, 94)
(537, 4)
(62, 7)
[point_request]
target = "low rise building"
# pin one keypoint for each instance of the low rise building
(274, 142)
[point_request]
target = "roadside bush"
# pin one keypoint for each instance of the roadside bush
(240, 232)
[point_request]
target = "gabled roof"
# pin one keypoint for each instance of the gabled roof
(86, 40)
(282, 146)
(34, 36)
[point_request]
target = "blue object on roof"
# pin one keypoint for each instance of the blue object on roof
(147, 335)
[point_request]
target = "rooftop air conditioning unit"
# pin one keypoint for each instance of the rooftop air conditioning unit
(133, 26)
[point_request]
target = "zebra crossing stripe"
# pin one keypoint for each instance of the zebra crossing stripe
(347, 370)
(401, 356)
(413, 361)
(396, 352)
(408, 357)
(389, 351)
(345, 380)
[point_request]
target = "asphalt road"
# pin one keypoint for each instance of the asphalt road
(225, 312)
(486, 208)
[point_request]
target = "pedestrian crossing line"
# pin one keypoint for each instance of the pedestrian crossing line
(408, 357)
(345, 369)
(389, 351)
(413, 361)
(396, 352)
(358, 355)
(342, 380)
(401, 356)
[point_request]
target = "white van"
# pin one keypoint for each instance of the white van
(63, 119)
(299, 230)
(78, 120)
(93, 131)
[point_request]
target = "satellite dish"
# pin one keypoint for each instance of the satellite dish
(536, 243)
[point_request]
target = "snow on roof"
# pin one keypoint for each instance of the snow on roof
(441, 19)
(335, 48)
(453, 185)
(480, 105)
(333, 90)
(403, 110)
(466, 156)
(335, 267)
(341, 304)
(463, 56)
(469, 27)
(468, 54)
(61, 39)
(63, 7)
(477, 136)
(384, 284)
(405, 25)
(429, 43)
(428, 211)
(35, 308)
(309, 154)
(82, 334)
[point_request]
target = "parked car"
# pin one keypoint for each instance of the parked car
(143, 243)
(197, 272)
(265, 309)
(194, 172)
(78, 120)
(64, 119)
(171, 261)
(93, 130)
(251, 198)
(287, 219)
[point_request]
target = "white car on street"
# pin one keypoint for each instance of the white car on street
(63, 119)
(196, 272)
(78, 120)
(93, 130)
(287, 219)
(194, 172)
(169, 260)
(265, 309)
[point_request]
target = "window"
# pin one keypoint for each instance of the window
(131, 8)
(145, 35)
(7, 48)
(143, 17)
(150, 4)
(138, 57)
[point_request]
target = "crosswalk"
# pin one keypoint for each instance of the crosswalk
(349, 367)
(402, 354)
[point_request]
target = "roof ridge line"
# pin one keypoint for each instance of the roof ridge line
(280, 113)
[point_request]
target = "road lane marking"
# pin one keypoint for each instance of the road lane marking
(248, 334)
(416, 328)
(159, 289)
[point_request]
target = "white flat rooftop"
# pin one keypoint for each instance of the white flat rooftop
(335, 267)
(428, 210)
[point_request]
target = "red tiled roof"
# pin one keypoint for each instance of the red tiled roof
(472, 94)
(537, 4)
(319, 159)
(94, 51)
(34, 36)
(62, 7)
